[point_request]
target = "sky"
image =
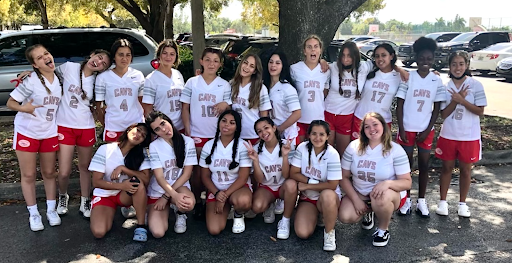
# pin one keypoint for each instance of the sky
(491, 11)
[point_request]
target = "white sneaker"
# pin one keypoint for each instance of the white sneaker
(36, 223)
(442, 208)
(268, 216)
(238, 225)
(320, 220)
(85, 208)
(180, 226)
(283, 229)
(464, 211)
(330, 240)
(62, 207)
(406, 208)
(250, 214)
(422, 208)
(279, 207)
(128, 212)
(53, 218)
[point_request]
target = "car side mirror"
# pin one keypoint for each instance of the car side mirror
(476, 42)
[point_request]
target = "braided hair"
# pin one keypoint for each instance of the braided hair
(84, 63)
(310, 144)
(238, 121)
(391, 52)
(354, 68)
(276, 134)
(178, 143)
(30, 59)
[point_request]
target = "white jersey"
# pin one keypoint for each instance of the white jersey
(461, 124)
(162, 156)
(310, 86)
(43, 125)
(74, 112)
(250, 116)
(419, 96)
(202, 98)
(345, 104)
(372, 167)
(221, 176)
(326, 169)
(272, 166)
(164, 94)
(121, 94)
(106, 159)
(284, 100)
(378, 94)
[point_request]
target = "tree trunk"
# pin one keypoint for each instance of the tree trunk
(301, 18)
(157, 12)
(169, 26)
(197, 7)
(44, 15)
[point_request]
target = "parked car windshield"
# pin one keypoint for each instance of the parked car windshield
(464, 37)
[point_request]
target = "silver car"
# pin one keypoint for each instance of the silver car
(367, 47)
(67, 44)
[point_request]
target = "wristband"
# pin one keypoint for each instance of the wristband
(313, 181)
(165, 197)
(216, 193)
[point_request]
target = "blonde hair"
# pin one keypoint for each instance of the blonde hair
(317, 38)
(30, 59)
(364, 141)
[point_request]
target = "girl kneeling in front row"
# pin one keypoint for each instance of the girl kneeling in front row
(381, 177)
(225, 169)
(173, 157)
(120, 171)
(316, 173)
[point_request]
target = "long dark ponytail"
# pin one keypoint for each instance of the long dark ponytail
(178, 143)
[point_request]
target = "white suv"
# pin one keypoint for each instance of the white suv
(67, 44)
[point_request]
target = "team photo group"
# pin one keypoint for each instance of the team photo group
(311, 140)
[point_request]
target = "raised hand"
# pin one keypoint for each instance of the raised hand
(30, 108)
(250, 151)
(287, 147)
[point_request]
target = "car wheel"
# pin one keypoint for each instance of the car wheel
(508, 80)
(407, 63)
(369, 53)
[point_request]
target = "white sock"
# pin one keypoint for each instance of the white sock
(285, 219)
(32, 210)
(50, 205)
(442, 202)
(421, 200)
(462, 203)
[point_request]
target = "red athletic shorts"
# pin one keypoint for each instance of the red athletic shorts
(200, 142)
(275, 193)
(78, 137)
(27, 144)
(411, 137)
(111, 136)
(341, 124)
(110, 201)
(211, 197)
(152, 200)
(356, 128)
(253, 141)
(303, 129)
(464, 151)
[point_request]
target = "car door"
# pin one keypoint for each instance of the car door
(479, 42)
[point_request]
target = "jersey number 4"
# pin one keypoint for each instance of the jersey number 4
(124, 105)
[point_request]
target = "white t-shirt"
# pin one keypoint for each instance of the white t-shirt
(371, 168)
(106, 159)
(310, 87)
(463, 125)
(345, 104)
(221, 176)
(43, 125)
(121, 94)
(164, 94)
(74, 112)
(272, 166)
(284, 100)
(202, 98)
(419, 96)
(162, 156)
(378, 94)
(326, 169)
(250, 116)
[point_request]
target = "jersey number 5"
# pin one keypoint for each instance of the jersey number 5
(368, 176)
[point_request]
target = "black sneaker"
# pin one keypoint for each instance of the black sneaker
(381, 238)
(367, 222)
